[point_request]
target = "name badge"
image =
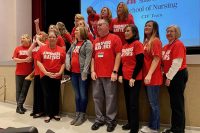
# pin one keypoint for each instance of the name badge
(100, 54)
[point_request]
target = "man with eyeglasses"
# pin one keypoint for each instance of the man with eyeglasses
(104, 67)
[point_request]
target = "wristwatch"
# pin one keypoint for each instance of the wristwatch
(115, 72)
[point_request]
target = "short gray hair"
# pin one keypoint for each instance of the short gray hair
(177, 30)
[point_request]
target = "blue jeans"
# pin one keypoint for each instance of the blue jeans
(153, 96)
(81, 93)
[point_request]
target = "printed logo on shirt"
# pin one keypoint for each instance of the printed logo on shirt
(103, 45)
(51, 56)
(76, 50)
(23, 52)
(166, 55)
(127, 52)
(119, 28)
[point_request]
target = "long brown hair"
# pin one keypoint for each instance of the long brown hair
(154, 34)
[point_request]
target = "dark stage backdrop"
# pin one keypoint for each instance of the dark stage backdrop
(50, 12)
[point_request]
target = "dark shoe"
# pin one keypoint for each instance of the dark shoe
(47, 119)
(75, 118)
(24, 109)
(38, 115)
(19, 110)
(111, 127)
(57, 118)
(32, 114)
(96, 125)
(80, 120)
(126, 127)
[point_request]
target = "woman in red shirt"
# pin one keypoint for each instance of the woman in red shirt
(175, 69)
(78, 61)
(119, 23)
(152, 73)
(132, 59)
(51, 62)
(24, 67)
(107, 15)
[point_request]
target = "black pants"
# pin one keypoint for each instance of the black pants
(176, 92)
(22, 87)
(132, 104)
(51, 90)
(38, 97)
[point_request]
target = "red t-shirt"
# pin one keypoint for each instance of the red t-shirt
(68, 37)
(90, 37)
(24, 68)
(52, 59)
(156, 50)
(173, 51)
(104, 53)
(92, 21)
(129, 52)
(118, 27)
(34, 55)
(73, 33)
(75, 64)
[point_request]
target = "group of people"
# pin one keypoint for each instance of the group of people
(107, 51)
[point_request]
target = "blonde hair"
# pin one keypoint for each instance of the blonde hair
(177, 30)
(61, 27)
(79, 17)
(43, 37)
(27, 37)
(83, 33)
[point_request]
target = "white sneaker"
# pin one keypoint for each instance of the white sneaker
(146, 129)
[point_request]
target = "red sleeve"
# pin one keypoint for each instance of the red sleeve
(118, 43)
(178, 50)
(68, 37)
(60, 42)
(90, 37)
(15, 54)
(156, 47)
(138, 48)
(131, 19)
(38, 55)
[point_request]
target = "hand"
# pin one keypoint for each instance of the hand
(167, 82)
(68, 67)
(147, 79)
(49, 74)
(36, 21)
(120, 79)
(55, 75)
(113, 77)
(28, 59)
(93, 76)
(84, 77)
(131, 82)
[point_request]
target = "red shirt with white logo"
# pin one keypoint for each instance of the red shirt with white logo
(173, 51)
(75, 64)
(118, 27)
(24, 68)
(104, 53)
(129, 52)
(52, 59)
(156, 50)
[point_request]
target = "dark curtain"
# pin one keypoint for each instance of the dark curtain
(37, 12)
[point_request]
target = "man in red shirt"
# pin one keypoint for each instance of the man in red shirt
(92, 20)
(104, 67)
